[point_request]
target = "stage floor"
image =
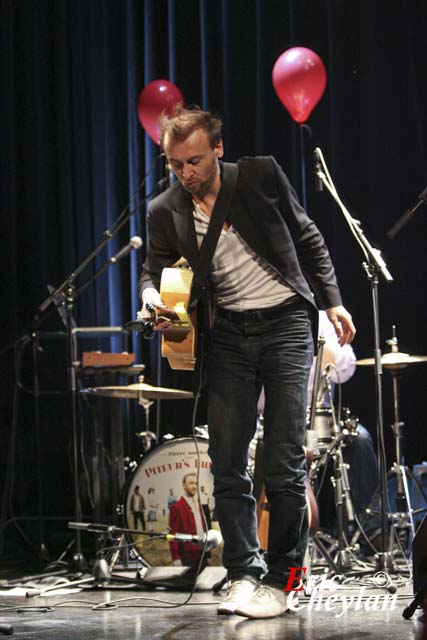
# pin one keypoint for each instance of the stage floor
(122, 611)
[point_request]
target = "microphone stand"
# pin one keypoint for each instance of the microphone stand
(102, 570)
(67, 290)
(163, 184)
(373, 265)
(407, 216)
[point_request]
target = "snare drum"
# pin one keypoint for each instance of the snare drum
(322, 429)
(159, 477)
(324, 426)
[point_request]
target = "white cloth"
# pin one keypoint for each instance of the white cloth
(345, 358)
(241, 279)
(195, 508)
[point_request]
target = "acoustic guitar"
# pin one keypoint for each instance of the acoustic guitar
(263, 515)
(179, 341)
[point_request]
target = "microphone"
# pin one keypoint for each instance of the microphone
(317, 171)
(135, 243)
(211, 538)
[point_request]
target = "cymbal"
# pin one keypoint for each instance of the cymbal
(139, 390)
(393, 360)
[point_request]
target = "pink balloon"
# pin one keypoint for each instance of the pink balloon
(156, 98)
(299, 79)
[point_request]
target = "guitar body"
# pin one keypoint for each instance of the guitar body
(178, 342)
(263, 506)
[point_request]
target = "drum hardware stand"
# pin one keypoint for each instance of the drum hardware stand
(341, 563)
(341, 485)
(311, 435)
(43, 553)
(312, 443)
(30, 335)
(146, 436)
(402, 520)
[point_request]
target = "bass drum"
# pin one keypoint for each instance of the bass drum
(156, 485)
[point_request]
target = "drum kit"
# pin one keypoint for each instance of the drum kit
(157, 479)
(329, 438)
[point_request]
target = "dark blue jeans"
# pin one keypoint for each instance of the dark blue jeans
(244, 353)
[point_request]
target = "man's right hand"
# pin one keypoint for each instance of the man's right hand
(152, 304)
(159, 316)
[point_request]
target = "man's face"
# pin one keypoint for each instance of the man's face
(194, 161)
(190, 486)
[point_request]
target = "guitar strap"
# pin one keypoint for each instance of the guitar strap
(200, 289)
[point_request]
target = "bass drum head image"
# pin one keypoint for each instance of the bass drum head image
(161, 492)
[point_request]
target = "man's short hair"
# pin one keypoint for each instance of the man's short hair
(187, 475)
(182, 122)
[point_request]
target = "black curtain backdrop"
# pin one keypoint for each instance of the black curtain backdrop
(73, 154)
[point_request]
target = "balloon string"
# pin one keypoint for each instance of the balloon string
(303, 171)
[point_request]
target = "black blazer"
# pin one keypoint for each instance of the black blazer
(266, 213)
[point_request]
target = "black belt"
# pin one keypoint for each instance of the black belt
(253, 315)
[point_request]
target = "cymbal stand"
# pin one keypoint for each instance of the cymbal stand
(402, 519)
(78, 558)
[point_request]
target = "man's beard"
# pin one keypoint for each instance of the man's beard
(200, 189)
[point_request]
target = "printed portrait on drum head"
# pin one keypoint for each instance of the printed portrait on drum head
(176, 486)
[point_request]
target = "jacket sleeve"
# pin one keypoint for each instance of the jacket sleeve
(174, 526)
(312, 252)
(160, 250)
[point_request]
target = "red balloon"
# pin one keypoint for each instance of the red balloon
(157, 97)
(299, 79)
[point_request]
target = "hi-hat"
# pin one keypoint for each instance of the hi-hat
(393, 360)
(139, 390)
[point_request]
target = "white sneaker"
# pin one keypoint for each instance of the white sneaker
(266, 602)
(239, 593)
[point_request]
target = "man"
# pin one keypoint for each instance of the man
(204, 501)
(137, 506)
(269, 258)
(153, 505)
(186, 516)
(171, 499)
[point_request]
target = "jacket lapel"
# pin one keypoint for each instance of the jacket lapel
(182, 216)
